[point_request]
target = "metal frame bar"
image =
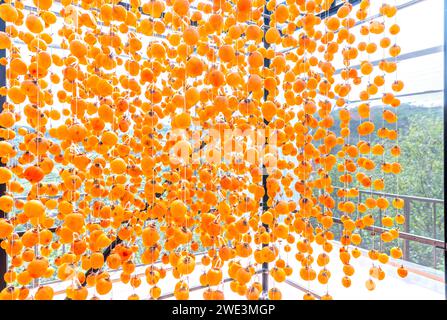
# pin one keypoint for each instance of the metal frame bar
(399, 7)
(445, 137)
(300, 287)
(405, 197)
(403, 235)
(265, 265)
(403, 57)
(414, 94)
(407, 210)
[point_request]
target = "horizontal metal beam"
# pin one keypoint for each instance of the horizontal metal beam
(300, 287)
(403, 57)
(403, 235)
(414, 94)
(399, 7)
(389, 195)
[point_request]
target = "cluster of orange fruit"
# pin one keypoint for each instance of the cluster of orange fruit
(94, 89)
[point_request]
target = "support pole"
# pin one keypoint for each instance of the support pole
(445, 138)
(3, 257)
(407, 210)
(265, 207)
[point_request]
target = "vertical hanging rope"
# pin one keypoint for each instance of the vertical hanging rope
(3, 256)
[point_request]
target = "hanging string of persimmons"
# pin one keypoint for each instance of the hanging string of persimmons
(115, 136)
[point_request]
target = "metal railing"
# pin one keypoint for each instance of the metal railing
(412, 207)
